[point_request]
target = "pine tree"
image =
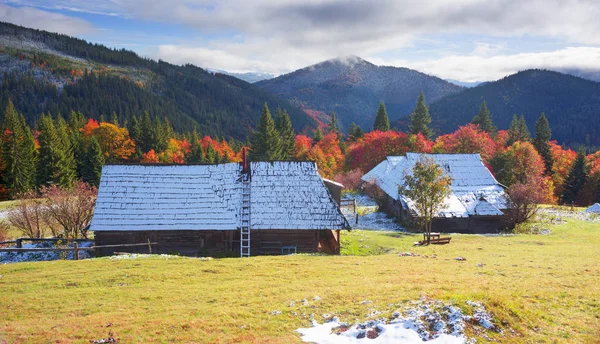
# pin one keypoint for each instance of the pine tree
(542, 136)
(18, 152)
(332, 127)
(420, 118)
(265, 142)
(286, 134)
(92, 163)
(76, 122)
(66, 163)
(49, 151)
(212, 157)
(575, 179)
(24, 170)
(382, 121)
(518, 130)
(317, 135)
(196, 154)
(161, 132)
(484, 119)
(147, 134)
(355, 132)
(114, 119)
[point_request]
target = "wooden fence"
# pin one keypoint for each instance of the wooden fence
(75, 247)
(349, 203)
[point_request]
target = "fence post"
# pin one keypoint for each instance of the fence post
(354, 205)
(149, 246)
(356, 218)
(19, 243)
(76, 250)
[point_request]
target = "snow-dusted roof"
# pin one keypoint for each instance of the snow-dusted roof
(291, 195)
(595, 208)
(475, 191)
(284, 195)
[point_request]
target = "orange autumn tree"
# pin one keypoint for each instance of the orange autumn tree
(175, 152)
(89, 127)
(115, 142)
(149, 157)
(527, 167)
(326, 153)
(562, 162)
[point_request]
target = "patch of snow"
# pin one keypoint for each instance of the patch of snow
(144, 256)
(19, 257)
(423, 321)
(369, 216)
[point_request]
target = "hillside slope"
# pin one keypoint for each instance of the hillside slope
(571, 104)
(43, 72)
(353, 88)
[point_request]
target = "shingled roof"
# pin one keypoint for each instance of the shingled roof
(475, 191)
(284, 195)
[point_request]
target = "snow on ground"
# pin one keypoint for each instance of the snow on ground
(144, 256)
(423, 321)
(555, 215)
(18, 257)
(369, 216)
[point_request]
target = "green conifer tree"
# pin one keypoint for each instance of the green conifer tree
(382, 121)
(420, 118)
(93, 160)
(317, 135)
(518, 130)
(265, 141)
(147, 134)
(25, 158)
(332, 127)
(542, 137)
(484, 119)
(66, 163)
(196, 154)
(355, 132)
(114, 119)
(49, 151)
(286, 134)
(575, 179)
(18, 152)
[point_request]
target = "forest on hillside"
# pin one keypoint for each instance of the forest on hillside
(59, 151)
(118, 81)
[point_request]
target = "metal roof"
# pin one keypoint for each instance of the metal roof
(475, 191)
(284, 195)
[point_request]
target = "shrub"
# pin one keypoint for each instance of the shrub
(71, 208)
(351, 180)
(3, 231)
(524, 200)
(375, 192)
(28, 216)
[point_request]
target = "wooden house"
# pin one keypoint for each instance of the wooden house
(477, 203)
(229, 209)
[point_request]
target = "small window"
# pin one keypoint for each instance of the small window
(287, 250)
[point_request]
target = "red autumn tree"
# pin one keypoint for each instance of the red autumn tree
(149, 157)
(467, 139)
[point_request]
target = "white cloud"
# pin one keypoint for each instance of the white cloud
(43, 20)
(487, 68)
(278, 36)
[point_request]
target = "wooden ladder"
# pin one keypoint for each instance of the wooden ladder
(245, 229)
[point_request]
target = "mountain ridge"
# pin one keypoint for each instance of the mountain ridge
(353, 88)
(43, 72)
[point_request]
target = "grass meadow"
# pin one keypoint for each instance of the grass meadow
(545, 287)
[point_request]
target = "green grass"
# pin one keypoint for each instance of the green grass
(545, 287)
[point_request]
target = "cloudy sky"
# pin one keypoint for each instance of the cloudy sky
(467, 40)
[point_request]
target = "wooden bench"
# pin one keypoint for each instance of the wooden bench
(435, 239)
